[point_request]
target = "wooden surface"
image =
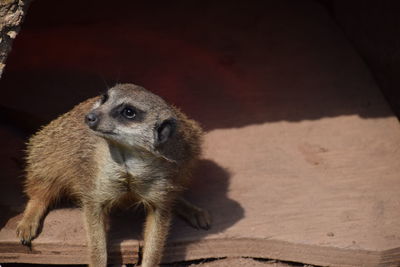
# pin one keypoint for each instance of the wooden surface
(229, 262)
(301, 158)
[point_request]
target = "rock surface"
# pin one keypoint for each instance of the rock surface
(12, 13)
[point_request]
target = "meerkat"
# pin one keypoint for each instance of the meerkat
(126, 146)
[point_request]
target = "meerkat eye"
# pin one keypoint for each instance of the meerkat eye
(128, 113)
(104, 98)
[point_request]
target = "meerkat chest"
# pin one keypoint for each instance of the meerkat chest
(133, 171)
(141, 167)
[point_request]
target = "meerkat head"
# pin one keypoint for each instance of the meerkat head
(133, 117)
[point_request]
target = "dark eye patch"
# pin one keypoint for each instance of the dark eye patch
(126, 113)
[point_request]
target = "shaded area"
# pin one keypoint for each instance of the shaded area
(373, 27)
(209, 190)
(11, 174)
(240, 63)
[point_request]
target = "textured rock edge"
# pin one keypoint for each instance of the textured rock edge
(12, 14)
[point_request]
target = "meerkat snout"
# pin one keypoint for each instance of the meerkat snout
(91, 120)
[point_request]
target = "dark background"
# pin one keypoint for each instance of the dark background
(55, 57)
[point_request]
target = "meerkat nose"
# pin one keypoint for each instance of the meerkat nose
(91, 120)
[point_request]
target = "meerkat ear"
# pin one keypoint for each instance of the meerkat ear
(165, 130)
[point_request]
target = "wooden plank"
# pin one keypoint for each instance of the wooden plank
(273, 249)
(338, 209)
(301, 155)
(240, 262)
(63, 240)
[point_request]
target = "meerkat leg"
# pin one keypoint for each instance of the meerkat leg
(155, 233)
(193, 215)
(40, 198)
(27, 228)
(96, 233)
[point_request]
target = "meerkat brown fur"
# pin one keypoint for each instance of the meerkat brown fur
(126, 146)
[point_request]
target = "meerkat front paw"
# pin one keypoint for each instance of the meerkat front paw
(199, 218)
(193, 215)
(27, 230)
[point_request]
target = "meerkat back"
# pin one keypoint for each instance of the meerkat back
(58, 164)
(61, 152)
